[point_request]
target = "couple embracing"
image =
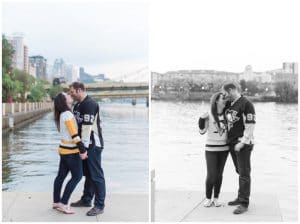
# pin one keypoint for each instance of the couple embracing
(80, 150)
(229, 125)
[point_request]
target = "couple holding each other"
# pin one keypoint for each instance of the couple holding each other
(80, 150)
(229, 126)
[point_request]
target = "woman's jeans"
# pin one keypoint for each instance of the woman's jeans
(71, 163)
(215, 162)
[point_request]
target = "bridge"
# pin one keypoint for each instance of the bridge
(110, 86)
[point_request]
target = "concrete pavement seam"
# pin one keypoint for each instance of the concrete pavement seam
(185, 216)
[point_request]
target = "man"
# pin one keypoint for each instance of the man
(241, 120)
(86, 112)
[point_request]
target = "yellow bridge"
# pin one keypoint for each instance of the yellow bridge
(114, 89)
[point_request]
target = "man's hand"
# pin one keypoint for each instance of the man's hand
(238, 146)
(84, 155)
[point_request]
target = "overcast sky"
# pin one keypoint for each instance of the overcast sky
(114, 38)
(223, 34)
(108, 37)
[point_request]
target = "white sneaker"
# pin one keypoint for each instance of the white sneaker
(207, 203)
(216, 203)
(64, 209)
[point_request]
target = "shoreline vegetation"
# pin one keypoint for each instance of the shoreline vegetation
(205, 96)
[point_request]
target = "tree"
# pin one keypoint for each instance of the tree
(55, 90)
(10, 88)
(252, 87)
(37, 92)
(286, 92)
(7, 54)
(27, 80)
(243, 85)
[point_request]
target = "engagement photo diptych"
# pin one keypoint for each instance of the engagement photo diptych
(150, 111)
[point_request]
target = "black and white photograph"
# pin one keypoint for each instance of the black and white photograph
(224, 111)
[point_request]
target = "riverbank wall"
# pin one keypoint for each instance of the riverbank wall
(15, 115)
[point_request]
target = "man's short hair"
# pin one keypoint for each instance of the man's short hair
(231, 85)
(77, 85)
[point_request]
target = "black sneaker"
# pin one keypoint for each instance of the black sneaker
(95, 211)
(80, 203)
(235, 202)
(240, 210)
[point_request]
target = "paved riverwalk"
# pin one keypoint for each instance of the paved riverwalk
(184, 206)
(36, 207)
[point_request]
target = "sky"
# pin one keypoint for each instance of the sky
(223, 35)
(109, 37)
(121, 37)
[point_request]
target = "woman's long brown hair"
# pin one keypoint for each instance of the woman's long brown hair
(214, 111)
(60, 105)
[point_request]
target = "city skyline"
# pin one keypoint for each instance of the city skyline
(103, 37)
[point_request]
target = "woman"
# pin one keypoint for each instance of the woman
(216, 148)
(71, 151)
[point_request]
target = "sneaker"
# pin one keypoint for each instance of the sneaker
(235, 202)
(81, 203)
(240, 210)
(216, 202)
(55, 205)
(64, 209)
(95, 211)
(207, 203)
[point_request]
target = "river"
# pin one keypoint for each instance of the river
(30, 159)
(177, 151)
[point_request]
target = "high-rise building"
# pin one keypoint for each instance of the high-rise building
(17, 41)
(26, 59)
(290, 67)
(59, 68)
(32, 70)
(72, 73)
(40, 64)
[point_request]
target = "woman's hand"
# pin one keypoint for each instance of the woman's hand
(84, 155)
(204, 115)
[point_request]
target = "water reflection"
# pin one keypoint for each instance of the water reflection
(30, 158)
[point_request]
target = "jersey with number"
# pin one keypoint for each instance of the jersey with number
(238, 115)
(88, 120)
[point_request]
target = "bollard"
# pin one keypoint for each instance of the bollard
(152, 196)
(147, 102)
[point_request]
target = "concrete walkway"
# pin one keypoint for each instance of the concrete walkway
(33, 207)
(183, 206)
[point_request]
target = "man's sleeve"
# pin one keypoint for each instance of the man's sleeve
(249, 119)
(87, 123)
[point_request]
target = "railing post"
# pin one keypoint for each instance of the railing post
(12, 108)
(3, 109)
(152, 196)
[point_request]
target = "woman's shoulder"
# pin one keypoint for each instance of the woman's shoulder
(66, 115)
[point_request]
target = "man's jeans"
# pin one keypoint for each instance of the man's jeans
(94, 184)
(242, 165)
